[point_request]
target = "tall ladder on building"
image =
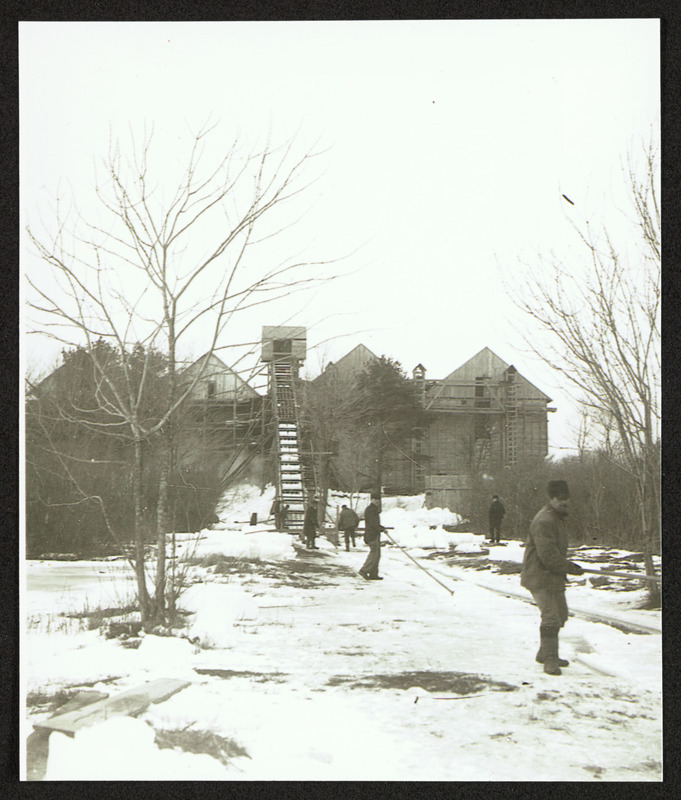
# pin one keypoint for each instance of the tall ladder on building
(295, 484)
(511, 419)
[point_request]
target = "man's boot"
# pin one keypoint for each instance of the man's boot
(549, 646)
(540, 657)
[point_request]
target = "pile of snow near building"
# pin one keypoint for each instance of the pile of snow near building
(411, 524)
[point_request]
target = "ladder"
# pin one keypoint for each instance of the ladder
(293, 478)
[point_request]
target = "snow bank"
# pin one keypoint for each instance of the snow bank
(415, 526)
(410, 503)
(359, 500)
(51, 662)
(217, 607)
(415, 502)
(419, 517)
(235, 537)
(238, 503)
(167, 656)
(512, 551)
(123, 748)
(288, 735)
(439, 539)
(257, 544)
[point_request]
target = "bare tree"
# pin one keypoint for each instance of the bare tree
(154, 268)
(603, 317)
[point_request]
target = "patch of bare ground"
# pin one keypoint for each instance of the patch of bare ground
(596, 771)
(295, 572)
(508, 568)
(201, 743)
(259, 677)
(96, 616)
(649, 604)
(476, 561)
(462, 683)
(49, 701)
(650, 765)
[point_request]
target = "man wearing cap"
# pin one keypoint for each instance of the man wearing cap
(496, 514)
(310, 524)
(545, 566)
(372, 536)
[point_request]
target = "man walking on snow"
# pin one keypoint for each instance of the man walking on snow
(544, 569)
(496, 514)
(372, 536)
(348, 522)
(310, 524)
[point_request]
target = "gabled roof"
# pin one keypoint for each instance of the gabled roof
(63, 372)
(44, 384)
(350, 364)
(213, 368)
(484, 364)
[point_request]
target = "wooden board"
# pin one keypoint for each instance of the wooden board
(37, 748)
(130, 703)
(84, 698)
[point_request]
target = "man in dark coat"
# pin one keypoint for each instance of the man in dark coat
(278, 510)
(544, 569)
(496, 514)
(348, 522)
(310, 524)
(372, 536)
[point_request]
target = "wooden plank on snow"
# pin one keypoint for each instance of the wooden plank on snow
(130, 703)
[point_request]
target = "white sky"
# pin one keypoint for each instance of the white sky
(449, 146)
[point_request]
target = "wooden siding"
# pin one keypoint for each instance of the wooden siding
(469, 428)
(276, 333)
(218, 383)
(350, 366)
(461, 383)
(449, 395)
(447, 491)
(452, 443)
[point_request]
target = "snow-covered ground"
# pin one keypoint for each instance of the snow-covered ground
(300, 670)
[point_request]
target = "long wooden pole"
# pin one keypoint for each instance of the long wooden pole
(420, 566)
(640, 577)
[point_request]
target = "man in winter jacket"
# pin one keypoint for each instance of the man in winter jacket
(496, 514)
(372, 536)
(544, 569)
(348, 522)
(310, 524)
(279, 511)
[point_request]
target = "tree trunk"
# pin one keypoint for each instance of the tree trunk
(161, 529)
(172, 593)
(142, 593)
(648, 536)
(653, 587)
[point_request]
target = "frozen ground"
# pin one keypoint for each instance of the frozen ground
(300, 670)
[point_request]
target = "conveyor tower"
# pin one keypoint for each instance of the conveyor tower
(284, 349)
